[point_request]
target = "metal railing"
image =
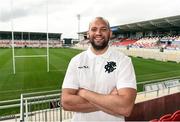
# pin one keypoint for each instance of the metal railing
(165, 85)
(6, 109)
(42, 106)
(153, 94)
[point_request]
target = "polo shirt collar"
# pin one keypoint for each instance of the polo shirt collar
(104, 55)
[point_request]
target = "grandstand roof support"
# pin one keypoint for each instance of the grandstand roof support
(21, 36)
(153, 24)
(172, 23)
(139, 26)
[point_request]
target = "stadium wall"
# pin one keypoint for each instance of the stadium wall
(155, 108)
(167, 55)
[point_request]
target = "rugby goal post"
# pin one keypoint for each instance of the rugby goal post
(27, 56)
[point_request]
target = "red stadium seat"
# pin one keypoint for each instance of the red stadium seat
(177, 112)
(176, 117)
(166, 117)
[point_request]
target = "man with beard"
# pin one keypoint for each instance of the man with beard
(100, 83)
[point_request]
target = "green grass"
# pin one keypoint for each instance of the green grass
(31, 75)
(147, 69)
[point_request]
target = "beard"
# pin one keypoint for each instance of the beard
(101, 46)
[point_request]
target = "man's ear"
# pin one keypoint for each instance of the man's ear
(110, 35)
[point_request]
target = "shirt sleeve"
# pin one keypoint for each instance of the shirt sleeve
(71, 77)
(126, 74)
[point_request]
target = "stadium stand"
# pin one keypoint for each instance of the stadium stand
(144, 42)
(147, 42)
(122, 42)
(30, 43)
(157, 33)
(170, 42)
(84, 44)
(30, 39)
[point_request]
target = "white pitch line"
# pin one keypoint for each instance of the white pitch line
(30, 56)
(169, 78)
(158, 73)
(7, 91)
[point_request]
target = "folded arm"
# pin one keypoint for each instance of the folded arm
(117, 104)
(73, 102)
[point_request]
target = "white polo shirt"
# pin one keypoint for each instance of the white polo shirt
(99, 73)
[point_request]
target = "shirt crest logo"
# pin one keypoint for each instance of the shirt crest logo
(110, 66)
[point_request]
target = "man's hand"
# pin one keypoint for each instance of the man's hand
(114, 91)
(81, 92)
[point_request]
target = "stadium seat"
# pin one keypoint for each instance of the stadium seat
(177, 112)
(176, 117)
(166, 117)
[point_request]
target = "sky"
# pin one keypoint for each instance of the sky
(61, 15)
